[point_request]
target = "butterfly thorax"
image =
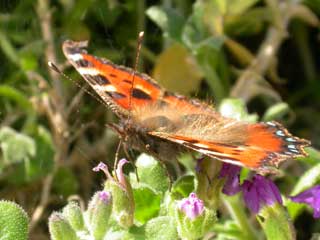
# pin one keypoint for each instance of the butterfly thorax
(137, 136)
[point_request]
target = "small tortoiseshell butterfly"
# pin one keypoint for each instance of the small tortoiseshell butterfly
(161, 123)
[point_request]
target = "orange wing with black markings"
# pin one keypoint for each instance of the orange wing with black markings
(113, 83)
(265, 145)
(179, 120)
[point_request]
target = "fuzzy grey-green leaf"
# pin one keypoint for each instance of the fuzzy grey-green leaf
(13, 221)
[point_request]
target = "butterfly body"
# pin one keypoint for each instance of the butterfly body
(161, 123)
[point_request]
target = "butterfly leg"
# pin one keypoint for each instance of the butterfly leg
(116, 158)
(125, 149)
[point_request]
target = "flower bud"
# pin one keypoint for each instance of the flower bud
(98, 213)
(231, 173)
(123, 205)
(73, 214)
(60, 229)
(122, 195)
(193, 219)
(260, 192)
(263, 198)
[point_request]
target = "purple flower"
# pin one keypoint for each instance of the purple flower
(100, 167)
(198, 165)
(119, 172)
(311, 197)
(231, 173)
(259, 192)
(192, 206)
(105, 196)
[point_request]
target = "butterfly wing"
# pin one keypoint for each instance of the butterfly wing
(252, 145)
(265, 145)
(113, 83)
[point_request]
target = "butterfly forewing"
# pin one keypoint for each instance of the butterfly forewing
(112, 82)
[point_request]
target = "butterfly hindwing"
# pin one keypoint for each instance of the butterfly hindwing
(266, 145)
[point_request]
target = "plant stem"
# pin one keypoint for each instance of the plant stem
(237, 212)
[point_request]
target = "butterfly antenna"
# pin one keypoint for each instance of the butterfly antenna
(56, 69)
(139, 44)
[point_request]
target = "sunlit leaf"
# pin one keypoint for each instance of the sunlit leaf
(168, 20)
(177, 71)
(161, 226)
(276, 111)
(13, 221)
(307, 180)
(147, 204)
(16, 147)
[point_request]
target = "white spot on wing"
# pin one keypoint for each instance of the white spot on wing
(280, 133)
(75, 57)
(106, 88)
(290, 139)
(88, 71)
(291, 146)
(271, 124)
(140, 87)
(200, 145)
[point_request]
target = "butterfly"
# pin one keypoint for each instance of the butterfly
(161, 123)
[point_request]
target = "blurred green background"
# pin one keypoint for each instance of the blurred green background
(52, 132)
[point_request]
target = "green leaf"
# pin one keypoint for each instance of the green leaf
(65, 182)
(307, 180)
(248, 23)
(147, 203)
(313, 157)
(177, 70)
(276, 111)
(152, 173)
(239, 7)
(13, 221)
(168, 20)
(276, 223)
(16, 147)
(15, 95)
(210, 60)
(28, 62)
(236, 108)
(8, 48)
(42, 163)
(38, 165)
(161, 228)
(183, 186)
(229, 230)
(194, 30)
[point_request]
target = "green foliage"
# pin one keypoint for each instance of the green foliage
(13, 221)
(276, 223)
(255, 60)
(15, 147)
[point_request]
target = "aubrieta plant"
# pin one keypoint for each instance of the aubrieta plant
(189, 208)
